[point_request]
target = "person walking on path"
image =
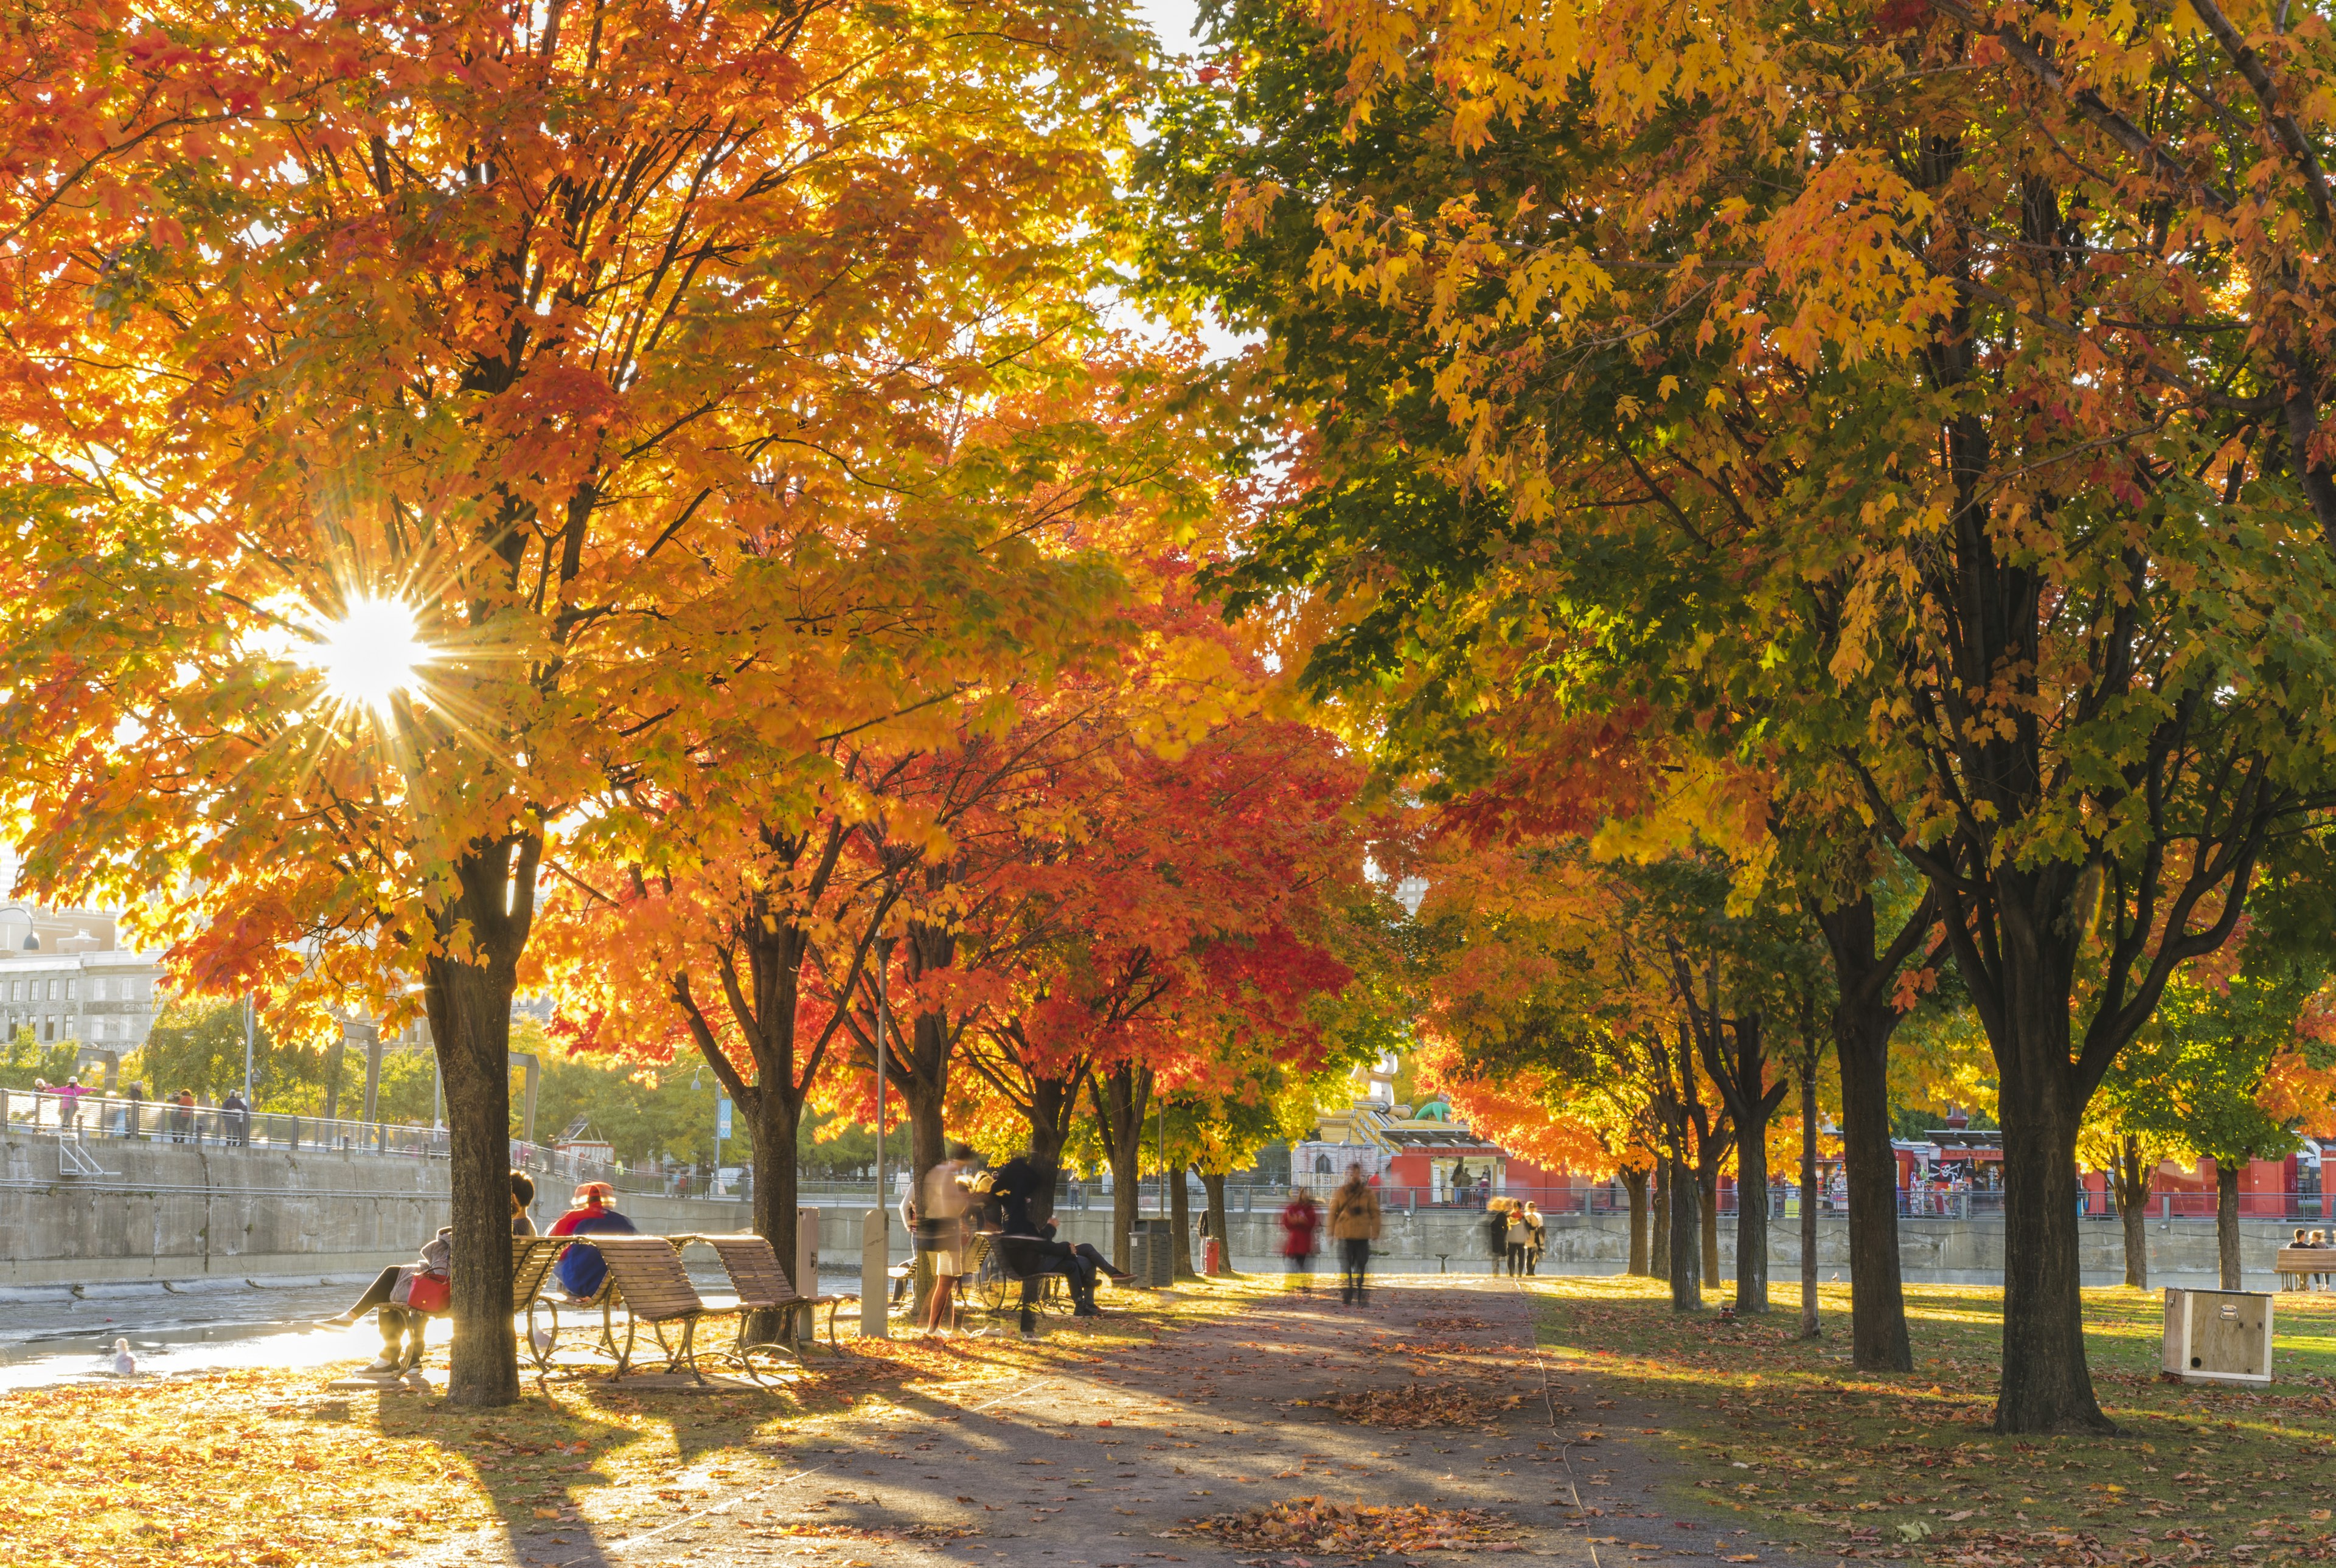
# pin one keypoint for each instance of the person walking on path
(237, 1118)
(939, 1232)
(1300, 1220)
(1516, 1236)
(1536, 1237)
(1460, 1185)
(1354, 1225)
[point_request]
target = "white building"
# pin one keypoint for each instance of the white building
(62, 976)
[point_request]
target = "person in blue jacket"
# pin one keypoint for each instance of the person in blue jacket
(580, 1269)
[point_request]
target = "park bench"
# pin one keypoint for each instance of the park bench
(531, 1260)
(996, 1283)
(762, 1286)
(644, 1273)
(2305, 1262)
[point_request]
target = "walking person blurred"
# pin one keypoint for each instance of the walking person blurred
(1536, 1237)
(1354, 1225)
(940, 1231)
(1300, 1220)
(1516, 1236)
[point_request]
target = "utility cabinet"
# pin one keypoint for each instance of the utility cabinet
(807, 1274)
(2219, 1336)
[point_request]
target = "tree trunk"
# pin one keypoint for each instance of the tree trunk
(1634, 1182)
(1686, 1201)
(2046, 1386)
(2133, 1208)
(1180, 1222)
(2226, 1221)
(776, 1128)
(1751, 1102)
(1809, 1196)
(1212, 1183)
(1864, 1015)
(1120, 1097)
(469, 1005)
(1660, 1252)
(1053, 1102)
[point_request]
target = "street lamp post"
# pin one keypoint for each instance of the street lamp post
(876, 1228)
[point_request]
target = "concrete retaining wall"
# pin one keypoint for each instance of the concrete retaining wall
(195, 1213)
(1932, 1251)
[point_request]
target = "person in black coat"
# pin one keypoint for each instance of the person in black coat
(1030, 1247)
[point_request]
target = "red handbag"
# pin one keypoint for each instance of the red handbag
(427, 1293)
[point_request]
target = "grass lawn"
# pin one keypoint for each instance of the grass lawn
(271, 1469)
(1904, 1466)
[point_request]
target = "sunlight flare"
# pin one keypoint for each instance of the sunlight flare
(369, 655)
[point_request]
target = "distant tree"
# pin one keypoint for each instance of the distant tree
(2218, 1071)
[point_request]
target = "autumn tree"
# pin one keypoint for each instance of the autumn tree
(451, 352)
(733, 895)
(2224, 1070)
(1901, 400)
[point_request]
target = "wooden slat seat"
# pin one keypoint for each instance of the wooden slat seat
(2305, 1261)
(644, 1273)
(762, 1286)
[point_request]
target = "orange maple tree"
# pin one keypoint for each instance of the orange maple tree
(549, 355)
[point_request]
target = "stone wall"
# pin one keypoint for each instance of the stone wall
(197, 1211)
(1932, 1251)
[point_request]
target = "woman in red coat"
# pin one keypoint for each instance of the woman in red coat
(1300, 1220)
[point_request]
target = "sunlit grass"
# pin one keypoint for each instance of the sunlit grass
(1782, 1432)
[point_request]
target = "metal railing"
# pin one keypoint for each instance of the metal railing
(94, 1117)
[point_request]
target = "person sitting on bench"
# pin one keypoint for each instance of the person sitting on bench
(388, 1293)
(1029, 1247)
(580, 1269)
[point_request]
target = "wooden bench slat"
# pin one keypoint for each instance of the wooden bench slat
(648, 1275)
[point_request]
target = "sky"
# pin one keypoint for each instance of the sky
(1171, 23)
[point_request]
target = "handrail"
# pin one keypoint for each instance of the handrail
(108, 1116)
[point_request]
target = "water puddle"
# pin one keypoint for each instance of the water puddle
(46, 1343)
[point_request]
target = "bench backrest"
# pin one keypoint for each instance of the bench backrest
(647, 1272)
(753, 1265)
(531, 1260)
(2306, 1259)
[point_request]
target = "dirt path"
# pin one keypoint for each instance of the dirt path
(1100, 1458)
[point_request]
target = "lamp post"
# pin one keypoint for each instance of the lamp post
(876, 1228)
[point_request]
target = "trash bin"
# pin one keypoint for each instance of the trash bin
(1158, 1267)
(1212, 1256)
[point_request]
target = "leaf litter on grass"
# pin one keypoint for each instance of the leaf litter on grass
(1901, 1467)
(1358, 1529)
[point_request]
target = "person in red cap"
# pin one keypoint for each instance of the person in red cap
(581, 1269)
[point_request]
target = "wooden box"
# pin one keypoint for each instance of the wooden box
(2219, 1336)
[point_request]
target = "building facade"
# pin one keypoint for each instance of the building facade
(63, 976)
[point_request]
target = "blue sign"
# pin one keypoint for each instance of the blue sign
(722, 1117)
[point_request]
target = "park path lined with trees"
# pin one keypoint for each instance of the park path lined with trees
(1760, 565)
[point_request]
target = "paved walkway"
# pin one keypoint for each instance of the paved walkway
(1091, 1463)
